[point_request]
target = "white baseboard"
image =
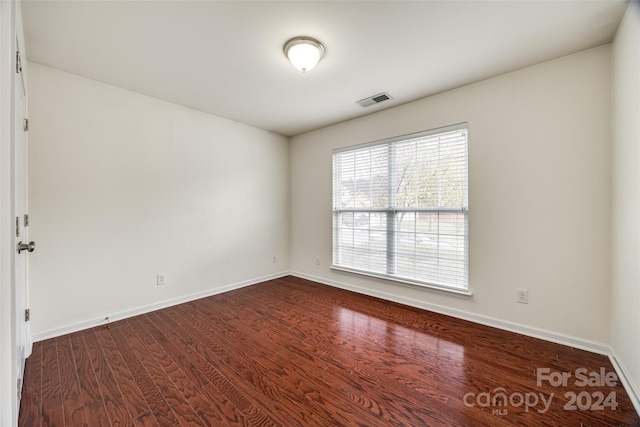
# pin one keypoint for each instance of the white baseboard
(632, 388)
(56, 332)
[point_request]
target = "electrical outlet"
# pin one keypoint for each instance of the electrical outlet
(161, 279)
(275, 258)
(522, 296)
(317, 260)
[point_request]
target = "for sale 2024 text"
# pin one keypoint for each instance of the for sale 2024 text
(582, 377)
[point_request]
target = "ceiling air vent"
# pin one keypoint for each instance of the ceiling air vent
(375, 99)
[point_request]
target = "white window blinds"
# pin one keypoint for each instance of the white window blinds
(400, 208)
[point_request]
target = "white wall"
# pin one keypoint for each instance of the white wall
(625, 295)
(123, 186)
(539, 149)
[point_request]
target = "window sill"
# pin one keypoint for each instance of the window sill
(450, 290)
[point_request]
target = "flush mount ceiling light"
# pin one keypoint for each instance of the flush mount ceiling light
(304, 52)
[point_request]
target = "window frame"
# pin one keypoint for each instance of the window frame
(391, 213)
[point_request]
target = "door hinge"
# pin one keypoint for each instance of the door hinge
(25, 125)
(18, 62)
(27, 315)
(26, 220)
(17, 226)
(19, 388)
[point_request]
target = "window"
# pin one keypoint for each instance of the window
(400, 208)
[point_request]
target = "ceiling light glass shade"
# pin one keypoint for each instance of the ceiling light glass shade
(304, 52)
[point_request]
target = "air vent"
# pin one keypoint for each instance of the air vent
(375, 99)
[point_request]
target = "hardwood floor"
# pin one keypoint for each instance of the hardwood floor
(290, 352)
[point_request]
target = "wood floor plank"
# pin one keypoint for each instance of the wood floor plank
(72, 401)
(254, 372)
(212, 345)
(97, 415)
(146, 420)
(153, 363)
(52, 411)
(357, 350)
(240, 396)
(291, 352)
(295, 389)
(129, 388)
(388, 397)
(90, 392)
(114, 402)
(175, 356)
(209, 412)
(152, 393)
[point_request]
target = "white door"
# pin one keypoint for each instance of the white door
(23, 245)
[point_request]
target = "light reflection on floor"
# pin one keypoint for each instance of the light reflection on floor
(395, 341)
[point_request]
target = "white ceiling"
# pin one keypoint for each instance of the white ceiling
(225, 57)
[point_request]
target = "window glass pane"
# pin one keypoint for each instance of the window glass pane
(360, 178)
(407, 180)
(400, 208)
(360, 241)
(427, 222)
